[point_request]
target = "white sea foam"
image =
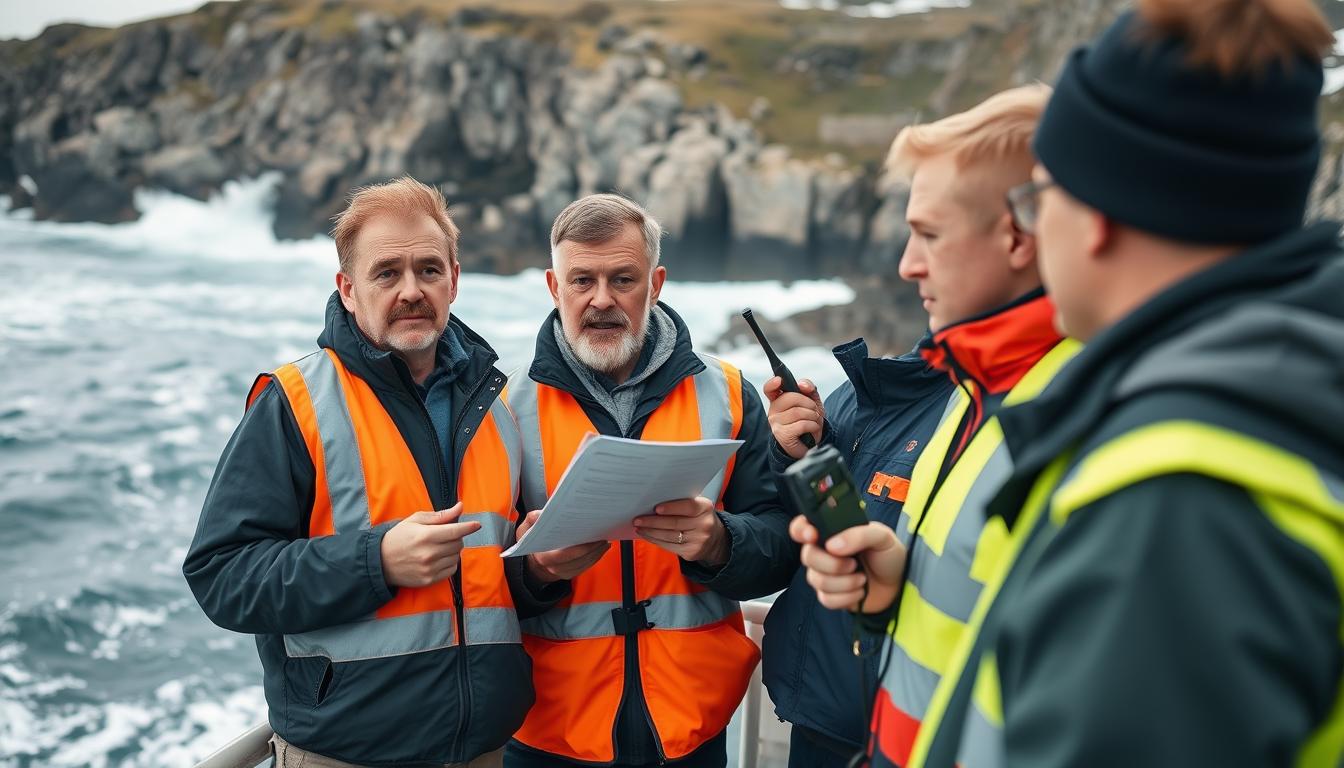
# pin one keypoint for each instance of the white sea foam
(233, 225)
(202, 727)
(116, 725)
(874, 10)
(1334, 77)
(14, 676)
(116, 620)
(179, 725)
(17, 726)
(880, 10)
(184, 436)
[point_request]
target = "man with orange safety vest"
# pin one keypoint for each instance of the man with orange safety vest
(644, 662)
(356, 518)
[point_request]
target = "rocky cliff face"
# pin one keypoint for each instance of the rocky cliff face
(502, 122)
(476, 102)
(492, 105)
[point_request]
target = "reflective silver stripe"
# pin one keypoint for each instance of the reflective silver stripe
(952, 401)
(523, 401)
(666, 612)
(513, 442)
(492, 626)
(1334, 485)
(377, 638)
(495, 530)
(903, 527)
(340, 449)
(576, 622)
(909, 684)
(945, 582)
(716, 416)
(711, 396)
(991, 477)
(981, 743)
(689, 611)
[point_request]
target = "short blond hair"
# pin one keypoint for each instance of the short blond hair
(404, 197)
(997, 130)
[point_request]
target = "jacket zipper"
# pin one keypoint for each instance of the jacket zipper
(969, 426)
(628, 603)
(632, 641)
(455, 580)
(859, 440)
(450, 493)
(464, 685)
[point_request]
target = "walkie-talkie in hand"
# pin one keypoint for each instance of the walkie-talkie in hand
(789, 384)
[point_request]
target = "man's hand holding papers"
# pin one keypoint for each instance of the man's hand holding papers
(561, 564)
(689, 529)
(612, 481)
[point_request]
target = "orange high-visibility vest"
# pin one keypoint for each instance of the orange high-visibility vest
(695, 660)
(366, 475)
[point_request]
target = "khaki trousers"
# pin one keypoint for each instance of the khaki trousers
(289, 756)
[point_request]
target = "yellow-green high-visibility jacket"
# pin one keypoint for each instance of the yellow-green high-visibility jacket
(1170, 591)
(952, 553)
(997, 359)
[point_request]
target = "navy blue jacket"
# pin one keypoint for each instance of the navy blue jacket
(880, 421)
(253, 569)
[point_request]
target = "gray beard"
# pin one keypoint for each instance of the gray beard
(607, 358)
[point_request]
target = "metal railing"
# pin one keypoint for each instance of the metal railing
(749, 743)
(253, 747)
(246, 751)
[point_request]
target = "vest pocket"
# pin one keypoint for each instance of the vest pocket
(324, 685)
(312, 680)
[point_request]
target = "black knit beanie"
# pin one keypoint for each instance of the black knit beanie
(1137, 132)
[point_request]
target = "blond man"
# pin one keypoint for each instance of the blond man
(992, 333)
(355, 521)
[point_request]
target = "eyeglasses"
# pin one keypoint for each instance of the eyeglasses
(1024, 202)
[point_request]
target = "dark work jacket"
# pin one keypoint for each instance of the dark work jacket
(761, 552)
(253, 570)
(1176, 621)
(879, 419)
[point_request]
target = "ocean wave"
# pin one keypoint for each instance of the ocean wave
(179, 723)
(233, 225)
(874, 10)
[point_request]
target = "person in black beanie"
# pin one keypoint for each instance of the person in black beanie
(1171, 590)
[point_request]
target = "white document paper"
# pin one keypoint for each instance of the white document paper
(612, 480)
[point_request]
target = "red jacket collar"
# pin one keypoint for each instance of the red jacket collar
(996, 350)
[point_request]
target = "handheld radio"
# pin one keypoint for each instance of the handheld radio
(790, 384)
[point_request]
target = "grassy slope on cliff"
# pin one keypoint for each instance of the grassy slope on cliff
(749, 46)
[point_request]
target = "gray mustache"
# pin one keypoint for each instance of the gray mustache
(606, 316)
